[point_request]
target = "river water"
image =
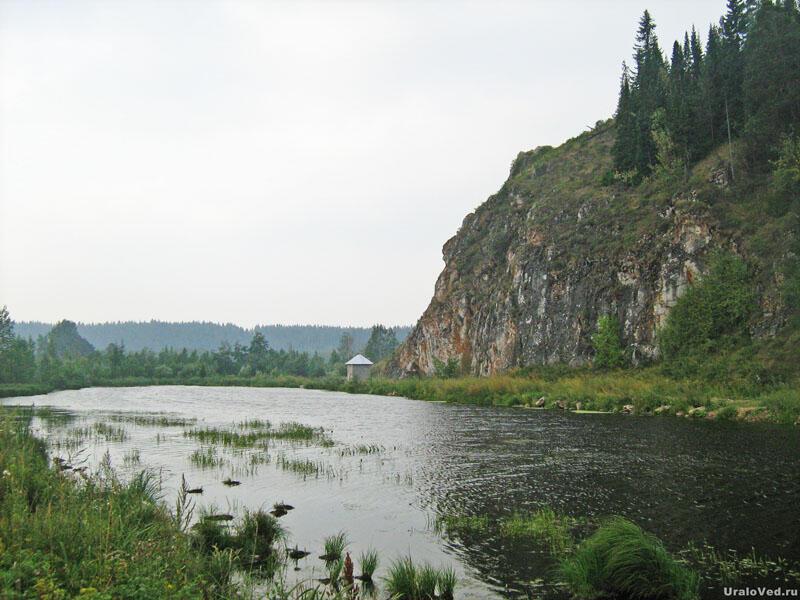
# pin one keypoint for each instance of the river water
(736, 486)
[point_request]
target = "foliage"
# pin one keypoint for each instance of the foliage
(335, 544)
(744, 85)
(369, 563)
(408, 581)
(446, 370)
(544, 526)
(381, 344)
(713, 314)
(622, 561)
(101, 534)
(608, 350)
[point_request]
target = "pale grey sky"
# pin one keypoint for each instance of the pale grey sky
(260, 162)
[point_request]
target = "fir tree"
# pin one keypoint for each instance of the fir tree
(624, 150)
(771, 84)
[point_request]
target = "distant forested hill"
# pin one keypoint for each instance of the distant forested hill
(208, 336)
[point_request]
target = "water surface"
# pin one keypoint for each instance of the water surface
(734, 485)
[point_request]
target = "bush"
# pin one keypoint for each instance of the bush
(608, 351)
(712, 315)
(622, 561)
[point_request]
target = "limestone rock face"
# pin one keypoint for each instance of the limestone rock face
(530, 271)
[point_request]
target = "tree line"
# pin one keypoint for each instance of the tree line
(63, 358)
(742, 84)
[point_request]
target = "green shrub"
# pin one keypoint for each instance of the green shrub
(621, 561)
(608, 351)
(712, 315)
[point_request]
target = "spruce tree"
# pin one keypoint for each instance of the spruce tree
(648, 91)
(677, 112)
(734, 29)
(624, 150)
(771, 84)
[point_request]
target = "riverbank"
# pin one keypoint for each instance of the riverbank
(635, 391)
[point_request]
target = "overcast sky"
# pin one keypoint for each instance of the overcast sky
(260, 162)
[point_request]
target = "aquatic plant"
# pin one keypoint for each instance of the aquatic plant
(255, 424)
(401, 580)
(426, 579)
(362, 449)
(334, 545)
(447, 583)
(206, 458)
(369, 563)
(256, 535)
(109, 432)
(729, 567)
(53, 417)
(152, 419)
(621, 560)
(89, 527)
(132, 457)
(460, 524)
(543, 525)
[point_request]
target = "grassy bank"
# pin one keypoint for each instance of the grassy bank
(640, 391)
(95, 537)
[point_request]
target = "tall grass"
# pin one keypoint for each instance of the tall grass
(334, 545)
(620, 560)
(369, 563)
(544, 526)
(58, 537)
(407, 581)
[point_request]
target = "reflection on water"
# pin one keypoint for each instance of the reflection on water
(395, 464)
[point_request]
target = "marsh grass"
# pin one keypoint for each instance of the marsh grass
(132, 457)
(53, 417)
(461, 524)
(110, 433)
(334, 545)
(256, 537)
(730, 567)
(362, 449)
(307, 467)
(100, 533)
(620, 560)
(407, 581)
(254, 424)
(544, 526)
(224, 437)
(368, 561)
(152, 420)
(206, 458)
(257, 433)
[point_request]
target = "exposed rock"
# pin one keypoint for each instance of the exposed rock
(697, 411)
(680, 413)
(662, 409)
(530, 272)
(579, 406)
(628, 409)
(540, 402)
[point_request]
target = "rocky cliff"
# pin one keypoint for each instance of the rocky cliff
(529, 273)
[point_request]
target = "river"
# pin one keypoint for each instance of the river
(397, 464)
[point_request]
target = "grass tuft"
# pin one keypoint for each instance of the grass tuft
(620, 560)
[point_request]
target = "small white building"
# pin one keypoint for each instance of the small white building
(358, 367)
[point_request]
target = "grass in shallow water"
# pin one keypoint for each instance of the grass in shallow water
(621, 561)
(544, 526)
